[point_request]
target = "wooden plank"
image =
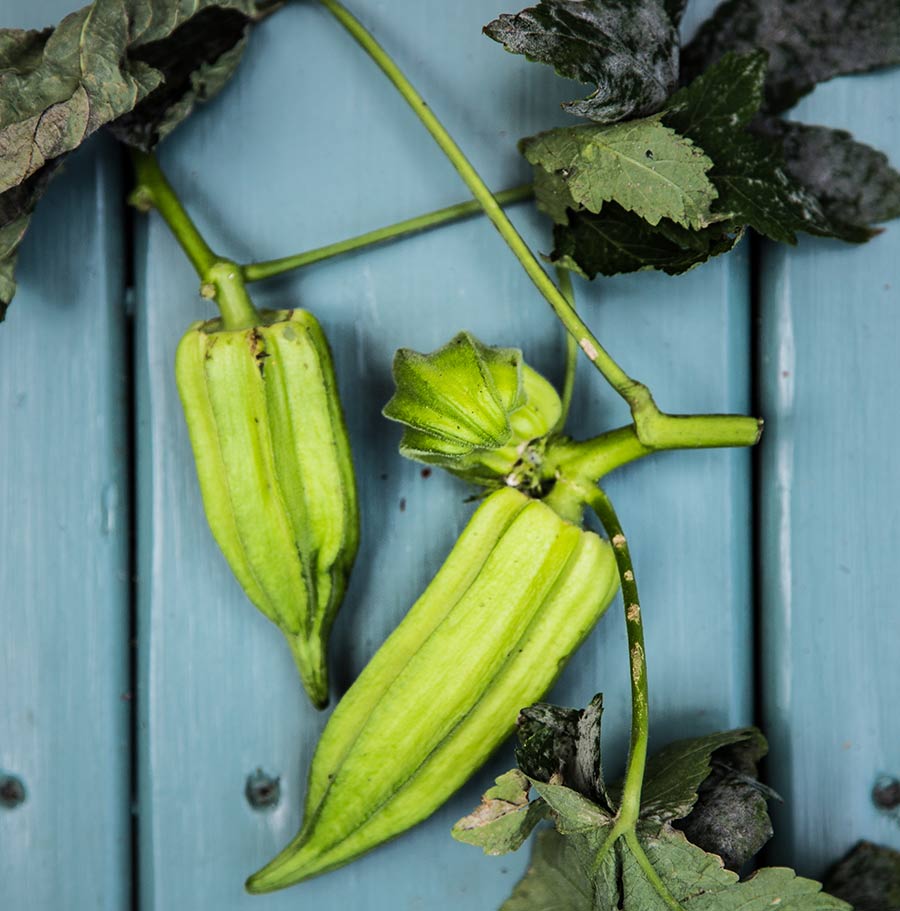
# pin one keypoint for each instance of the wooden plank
(309, 145)
(829, 532)
(64, 586)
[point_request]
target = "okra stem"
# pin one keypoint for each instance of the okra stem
(564, 277)
(630, 806)
(651, 424)
(636, 394)
(153, 190)
(220, 278)
(254, 272)
(587, 461)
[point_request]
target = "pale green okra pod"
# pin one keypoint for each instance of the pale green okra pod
(275, 471)
(518, 593)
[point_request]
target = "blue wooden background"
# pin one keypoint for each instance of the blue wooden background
(136, 679)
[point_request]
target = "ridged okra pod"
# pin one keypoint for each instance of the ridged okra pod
(275, 471)
(516, 596)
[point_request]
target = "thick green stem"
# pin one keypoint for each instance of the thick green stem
(153, 191)
(220, 278)
(636, 394)
(254, 272)
(564, 277)
(587, 461)
(630, 806)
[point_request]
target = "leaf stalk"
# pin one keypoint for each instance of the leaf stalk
(221, 279)
(254, 272)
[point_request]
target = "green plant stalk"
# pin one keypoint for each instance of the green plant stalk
(630, 806)
(254, 272)
(221, 279)
(651, 424)
(564, 277)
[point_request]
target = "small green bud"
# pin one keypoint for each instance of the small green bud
(479, 412)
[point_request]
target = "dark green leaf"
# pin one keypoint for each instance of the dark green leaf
(854, 183)
(675, 9)
(628, 49)
(552, 195)
(558, 878)
(563, 745)
(504, 819)
(573, 812)
(617, 241)
(644, 166)
(195, 61)
(730, 817)
(808, 41)
(136, 64)
(753, 187)
(598, 861)
(868, 877)
(675, 773)
(554, 881)
(16, 206)
(546, 735)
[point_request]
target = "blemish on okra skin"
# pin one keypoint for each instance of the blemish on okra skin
(12, 792)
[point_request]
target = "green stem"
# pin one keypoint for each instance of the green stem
(637, 851)
(587, 461)
(630, 807)
(636, 394)
(564, 277)
(153, 191)
(220, 278)
(254, 272)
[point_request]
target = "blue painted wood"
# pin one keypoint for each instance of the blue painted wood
(64, 587)
(829, 489)
(308, 145)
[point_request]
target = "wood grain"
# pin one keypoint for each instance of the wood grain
(65, 704)
(829, 528)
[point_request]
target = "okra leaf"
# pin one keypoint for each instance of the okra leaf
(643, 165)
(136, 65)
(730, 817)
(596, 860)
(504, 819)
(554, 880)
(628, 49)
(675, 773)
(616, 241)
(748, 174)
(868, 877)
(563, 746)
(675, 9)
(649, 872)
(854, 183)
(808, 41)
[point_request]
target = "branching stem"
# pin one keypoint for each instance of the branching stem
(254, 272)
(220, 278)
